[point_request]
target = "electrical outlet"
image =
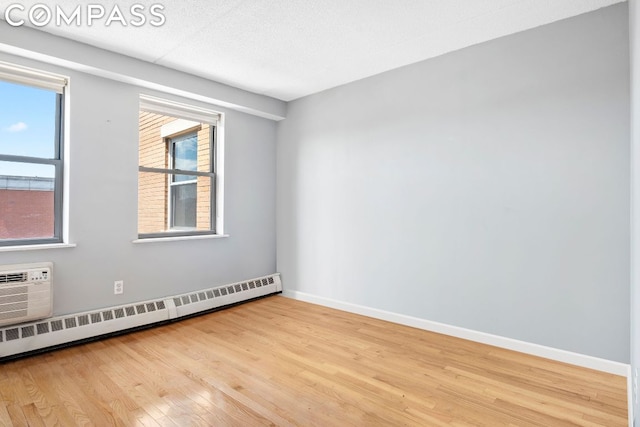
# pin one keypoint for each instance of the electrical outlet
(118, 287)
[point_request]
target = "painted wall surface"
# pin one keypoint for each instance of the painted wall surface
(634, 49)
(486, 188)
(103, 167)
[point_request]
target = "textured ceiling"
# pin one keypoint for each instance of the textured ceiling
(291, 48)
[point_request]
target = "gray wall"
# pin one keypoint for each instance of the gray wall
(487, 188)
(103, 160)
(634, 37)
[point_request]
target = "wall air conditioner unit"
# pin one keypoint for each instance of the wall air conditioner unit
(25, 292)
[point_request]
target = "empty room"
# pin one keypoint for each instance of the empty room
(319, 213)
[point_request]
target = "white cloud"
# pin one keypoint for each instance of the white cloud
(17, 127)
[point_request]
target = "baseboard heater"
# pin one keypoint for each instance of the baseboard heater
(57, 331)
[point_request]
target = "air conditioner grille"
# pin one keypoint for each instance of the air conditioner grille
(13, 314)
(14, 298)
(13, 277)
(25, 293)
(12, 290)
(7, 308)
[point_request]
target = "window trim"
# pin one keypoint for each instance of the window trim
(203, 116)
(179, 110)
(52, 82)
(31, 77)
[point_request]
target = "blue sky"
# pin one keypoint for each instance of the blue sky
(27, 127)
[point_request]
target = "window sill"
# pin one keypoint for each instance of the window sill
(37, 247)
(175, 238)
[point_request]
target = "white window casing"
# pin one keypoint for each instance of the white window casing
(30, 77)
(177, 109)
(190, 117)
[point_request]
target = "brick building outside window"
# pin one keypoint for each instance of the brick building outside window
(26, 207)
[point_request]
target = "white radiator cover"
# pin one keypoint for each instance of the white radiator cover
(60, 330)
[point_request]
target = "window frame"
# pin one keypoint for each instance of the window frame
(29, 77)
(214, 120)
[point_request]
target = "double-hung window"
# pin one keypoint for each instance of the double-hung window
(31, 156)
(177, 179)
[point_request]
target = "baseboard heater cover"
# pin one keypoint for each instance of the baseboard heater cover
(60, 330)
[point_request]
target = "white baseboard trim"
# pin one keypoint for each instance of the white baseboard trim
(572, 358)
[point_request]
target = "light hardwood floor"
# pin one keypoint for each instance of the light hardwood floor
(282, 362)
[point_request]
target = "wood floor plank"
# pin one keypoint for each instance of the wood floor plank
(16, 415)
(281, 362)
(44, 381)
(5, 418)
(32, 416)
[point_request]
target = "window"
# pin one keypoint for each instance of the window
(31, 156)
(177, 173)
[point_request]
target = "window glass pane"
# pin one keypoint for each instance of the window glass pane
(27, 169)
(185, 152)
(26, 201)
(203, 209)
(166, 206)
(183, 178)
(27, 121)
(152, 147)
(183, 198)
(152, 202)
(156, 137)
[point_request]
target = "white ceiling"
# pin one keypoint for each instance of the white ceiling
(291, 48)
